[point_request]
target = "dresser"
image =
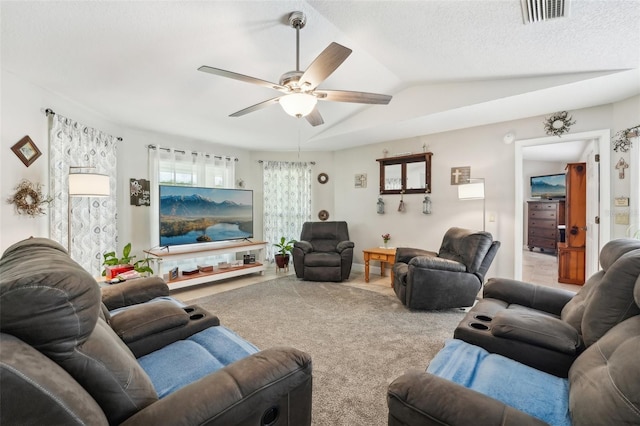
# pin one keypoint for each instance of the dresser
(543, 218)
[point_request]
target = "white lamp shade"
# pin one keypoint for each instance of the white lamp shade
(88, 185)
(471, 191)
(298, 104)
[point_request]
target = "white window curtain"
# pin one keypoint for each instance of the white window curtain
(169, 166)
(287, 200)
(93, 219)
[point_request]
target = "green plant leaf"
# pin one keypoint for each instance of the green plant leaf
(126, 251)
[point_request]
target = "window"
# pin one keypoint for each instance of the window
(194, 169)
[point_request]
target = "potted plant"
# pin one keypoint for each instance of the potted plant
(284, 249)
(111, 260)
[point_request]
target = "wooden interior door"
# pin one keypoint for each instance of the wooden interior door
(571, 253)
(576, 205)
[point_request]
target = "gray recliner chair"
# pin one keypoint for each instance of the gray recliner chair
(548, 328)
(450, 278)
(324, 252)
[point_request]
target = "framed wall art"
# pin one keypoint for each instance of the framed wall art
(26, 150)
(140, 192)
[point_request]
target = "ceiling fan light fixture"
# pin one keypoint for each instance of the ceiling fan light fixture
(298, 104)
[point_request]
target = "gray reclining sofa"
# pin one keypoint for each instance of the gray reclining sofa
(139, 358)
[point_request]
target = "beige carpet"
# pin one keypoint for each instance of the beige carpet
(359, 340)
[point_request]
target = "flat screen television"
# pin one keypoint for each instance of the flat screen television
(549, 186)
(193, 215)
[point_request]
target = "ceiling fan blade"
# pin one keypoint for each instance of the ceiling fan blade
(325, 64)
(356, 97)
(256, 107)
(242, 77)
(314, 118)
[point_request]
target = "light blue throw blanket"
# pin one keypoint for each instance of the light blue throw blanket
(185, 361)
(537, 393)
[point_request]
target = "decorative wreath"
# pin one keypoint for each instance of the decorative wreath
(29, 199)
(621, 141)
(558, 123)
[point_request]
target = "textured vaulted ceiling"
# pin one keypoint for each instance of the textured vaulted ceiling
(448, 64)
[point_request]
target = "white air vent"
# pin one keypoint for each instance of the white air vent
(541, 10)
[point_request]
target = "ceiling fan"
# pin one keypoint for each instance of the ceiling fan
(299, 88)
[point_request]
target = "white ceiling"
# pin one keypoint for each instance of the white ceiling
(562, 152)
(448, 64)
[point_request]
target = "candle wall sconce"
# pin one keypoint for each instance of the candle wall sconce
(380, 206)
(426, 205)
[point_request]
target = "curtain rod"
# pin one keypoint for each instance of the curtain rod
(310, 162)
(193, 153)
(49, 112)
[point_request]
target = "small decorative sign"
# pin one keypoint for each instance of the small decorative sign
(621, 202)
(460, 175)
(140, 192)
(622, 218)
(360, 180)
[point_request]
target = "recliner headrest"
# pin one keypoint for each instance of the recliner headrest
(46, 299)
(614, 249)
(466, 246)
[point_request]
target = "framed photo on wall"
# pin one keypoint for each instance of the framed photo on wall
(26, 150)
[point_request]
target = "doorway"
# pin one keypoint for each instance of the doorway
(598, 194)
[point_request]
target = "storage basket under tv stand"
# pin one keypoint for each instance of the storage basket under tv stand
(178, 253)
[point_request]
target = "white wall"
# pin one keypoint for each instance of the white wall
(626, 114)
(22, 113)
(481, 148)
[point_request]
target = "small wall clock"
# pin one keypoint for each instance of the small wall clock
(323, 215)
(323, 178)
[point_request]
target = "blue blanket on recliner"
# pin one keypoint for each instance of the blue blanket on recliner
(538, 394)
(185, 361)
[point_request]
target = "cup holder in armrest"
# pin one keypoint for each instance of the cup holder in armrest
(481, 317)
(196, 316)
(478, 326)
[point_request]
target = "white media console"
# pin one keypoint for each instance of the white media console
(191, 256)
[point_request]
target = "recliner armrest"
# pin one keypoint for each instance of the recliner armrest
(537, 329)
(420, 398)
(146, 319)
(240, 393)
(405, 254)
(542, 298)
(147, 327)
(343, 245)
(132, 292)
(430, 262)
(305, 246)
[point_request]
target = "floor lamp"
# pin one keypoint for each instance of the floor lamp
(84, 185)
(473, 190)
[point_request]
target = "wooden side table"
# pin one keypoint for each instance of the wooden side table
(383, 255)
